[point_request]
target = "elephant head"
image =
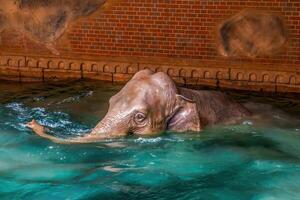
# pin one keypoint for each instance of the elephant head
(148, 104)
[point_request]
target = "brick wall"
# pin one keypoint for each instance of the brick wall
(175, 32)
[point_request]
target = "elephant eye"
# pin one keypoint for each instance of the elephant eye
(139, 118)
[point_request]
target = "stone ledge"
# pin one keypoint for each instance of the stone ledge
(34, 68)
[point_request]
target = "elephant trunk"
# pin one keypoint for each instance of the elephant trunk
(108, 128)
(111, 127)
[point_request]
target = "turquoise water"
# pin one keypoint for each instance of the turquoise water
(257, 159)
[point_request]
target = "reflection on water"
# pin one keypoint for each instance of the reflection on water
(256, 159)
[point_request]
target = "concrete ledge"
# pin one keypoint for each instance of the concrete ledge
(9, 73)
(103, 76)
(60, 74)
(28, 74)
(119, 77)
(37, 68)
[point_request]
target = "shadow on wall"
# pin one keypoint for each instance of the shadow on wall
(252, 33)
(44, 21)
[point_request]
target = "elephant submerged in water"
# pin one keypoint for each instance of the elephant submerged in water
(150, 103)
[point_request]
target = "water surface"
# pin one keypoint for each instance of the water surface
(258, 158)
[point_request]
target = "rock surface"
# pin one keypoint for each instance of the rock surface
(44, 21)
(252, 33)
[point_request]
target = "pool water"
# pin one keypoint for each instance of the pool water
(258, 158)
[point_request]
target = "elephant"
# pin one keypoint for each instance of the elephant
(151, 103)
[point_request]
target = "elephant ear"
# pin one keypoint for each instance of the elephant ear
(185, 117)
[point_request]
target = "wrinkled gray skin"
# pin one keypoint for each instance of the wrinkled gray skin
(150, 103)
